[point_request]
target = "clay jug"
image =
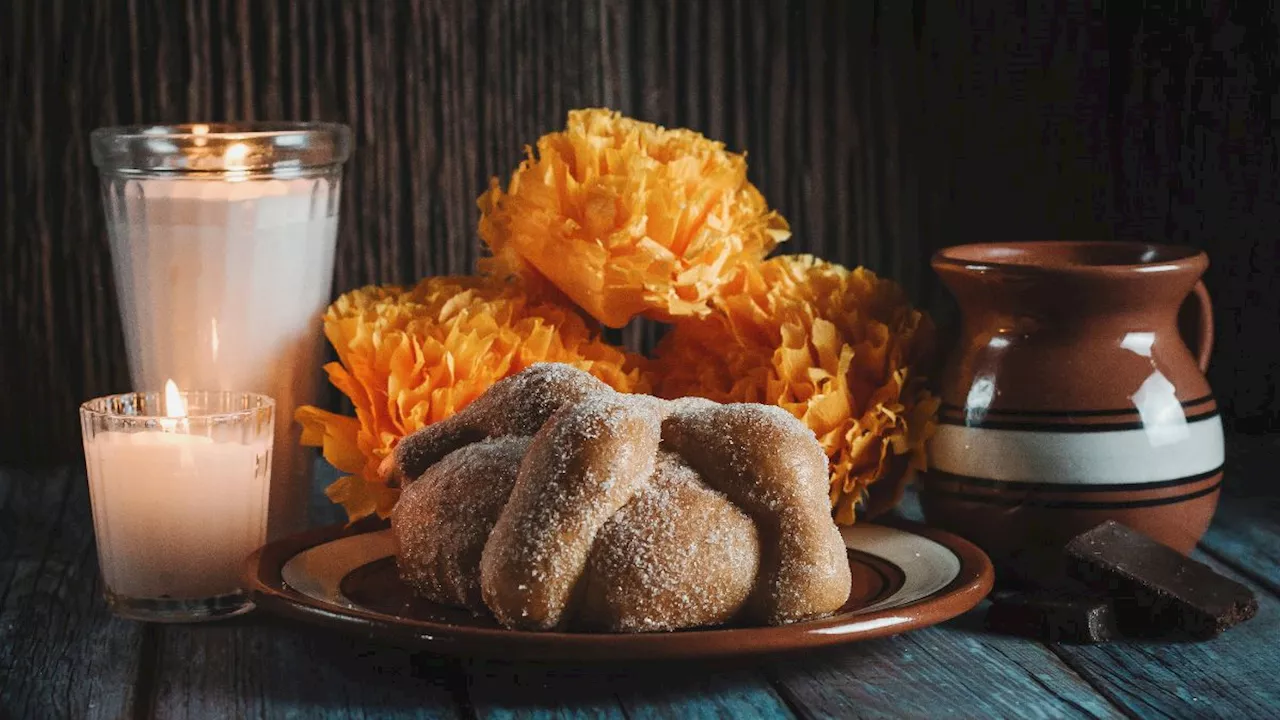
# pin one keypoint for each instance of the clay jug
(1072, 397)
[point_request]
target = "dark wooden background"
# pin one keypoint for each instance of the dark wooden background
(882, 130)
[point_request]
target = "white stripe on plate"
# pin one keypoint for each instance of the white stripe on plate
(1118, 456)
(927, 566)
(317, 572)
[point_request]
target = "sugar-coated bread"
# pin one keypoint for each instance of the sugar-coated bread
(589, 460)
(518, 405)
(443, 520)
(769, 464)
(679, 555)
(555, 503)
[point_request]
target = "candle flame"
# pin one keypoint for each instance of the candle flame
(236, 154)
(173, 404)
(200, 129)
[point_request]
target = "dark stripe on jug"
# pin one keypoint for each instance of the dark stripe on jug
(1068, 487)
(1060, 427)
(1004, 501)
(1067, 413)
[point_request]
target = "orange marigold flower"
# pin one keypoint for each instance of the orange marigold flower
(626, 218)
(409, 358)
(839, 349)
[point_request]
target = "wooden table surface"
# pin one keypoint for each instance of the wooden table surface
(63, 655)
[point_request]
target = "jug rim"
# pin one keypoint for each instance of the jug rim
(1073, 257)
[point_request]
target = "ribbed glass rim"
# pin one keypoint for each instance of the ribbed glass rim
(126, 406)
(275, 148)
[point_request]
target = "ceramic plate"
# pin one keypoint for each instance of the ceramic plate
(904, 578)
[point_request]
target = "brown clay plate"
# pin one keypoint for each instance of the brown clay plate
(905, 577)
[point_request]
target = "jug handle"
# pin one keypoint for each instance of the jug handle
(1205, 339)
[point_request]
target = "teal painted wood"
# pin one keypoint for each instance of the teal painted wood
(261, 667)
(953, 670)
(1247, 537)
(61, 653)
(705, 690)
(1246, 532)
(526, 692)
(1232, 676)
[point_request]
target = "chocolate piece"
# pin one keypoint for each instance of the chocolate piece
(1052, 617)
(1157, 590)
(1037, 568)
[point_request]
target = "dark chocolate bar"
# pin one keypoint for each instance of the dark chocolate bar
(1052, 617)
(1156, 589)
(1036, 568)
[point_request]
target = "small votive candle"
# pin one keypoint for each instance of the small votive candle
(179, 483)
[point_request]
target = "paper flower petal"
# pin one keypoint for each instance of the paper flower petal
(408, 358)
(625, 218)
(840, 349)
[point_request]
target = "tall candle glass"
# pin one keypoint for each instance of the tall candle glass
(179, 491)
(222, 241)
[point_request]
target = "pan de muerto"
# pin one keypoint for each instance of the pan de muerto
(554, 502)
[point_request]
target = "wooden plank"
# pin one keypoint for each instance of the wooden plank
(262, 667)
(953, 670)
(61, 653)
(1232, 676)
(527, 691)
(497, 691)
(1245, 534)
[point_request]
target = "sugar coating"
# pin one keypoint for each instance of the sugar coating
(525, 401)
(517, 405)
(678, 555)
(771, 466)
(443, 520)
(587, 462)
(623, 513)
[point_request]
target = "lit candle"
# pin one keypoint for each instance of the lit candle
(222, 240)
(179, 500)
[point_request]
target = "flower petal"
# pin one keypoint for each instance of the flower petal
(834, 347)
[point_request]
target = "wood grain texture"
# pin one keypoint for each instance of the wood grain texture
(955, 670)
(882, 130)
(698, 690)
(1245, 534)
(255, 667)
(61, 653)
